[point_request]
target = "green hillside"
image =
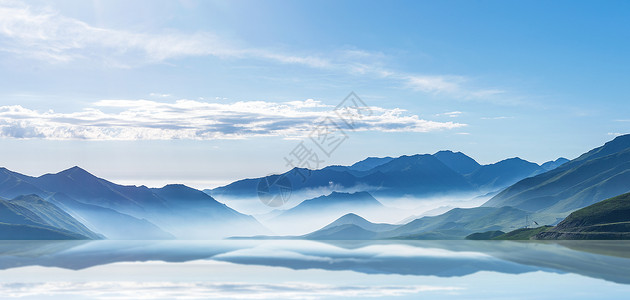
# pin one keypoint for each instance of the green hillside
(608, 219)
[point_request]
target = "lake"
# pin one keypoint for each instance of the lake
(295, 269)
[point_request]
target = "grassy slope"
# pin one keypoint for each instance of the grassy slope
(31, 232)
(608, 219)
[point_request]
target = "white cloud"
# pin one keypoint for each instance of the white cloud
(496, 118)
(616, 133)
(45, 34)
(197, 120)
(452, 114)
(209, 290)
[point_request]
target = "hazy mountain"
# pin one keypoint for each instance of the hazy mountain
(87, 188)
(353, 219)
(608, 219)
(502, 174)
(459, 162)
(342, 232)
(30, 217)
(370, 163)
(460, 222)
(349, 227)
(336, 202)
(599, 174)
(416, 175)
(454, 224)
(445, 172)
(550, 165)
(191, 212)
(53, 216)
(14, 184)
(140, 209)
(111, 223)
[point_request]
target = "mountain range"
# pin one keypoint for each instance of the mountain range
(543, 199)
(131, 212)
(74, 204)
(420, 175)
(599, 174)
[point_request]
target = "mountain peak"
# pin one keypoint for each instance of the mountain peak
(458, 161)
(75, 170)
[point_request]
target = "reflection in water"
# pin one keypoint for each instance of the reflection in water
(606, 260)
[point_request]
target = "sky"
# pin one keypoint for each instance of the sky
(207, 92)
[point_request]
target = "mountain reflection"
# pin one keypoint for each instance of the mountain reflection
(608, 260)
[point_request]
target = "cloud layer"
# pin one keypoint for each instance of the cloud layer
(197, 120)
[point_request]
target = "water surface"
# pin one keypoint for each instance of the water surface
(270, 269)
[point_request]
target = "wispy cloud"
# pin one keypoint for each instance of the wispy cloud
(44, 34)
(196, 120)
(497, 118)
(452, 114)
(210, 290)
(616, 133)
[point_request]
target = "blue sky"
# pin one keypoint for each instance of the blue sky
(206, 92)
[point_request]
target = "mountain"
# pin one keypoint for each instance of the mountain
(599, 174)
(30, 217)
(550, 165)
(342, 232)
(353, 219)
(95, 201)
(459, 162)
(191, 212)
(444, 172)
(459, 223)
(502, 174)
(53, 216)
(316, 213)
(416, 175)
(370, 163)
(608, 219)
(336, 202)
(14, 184)
(87, 188)
(111, 223)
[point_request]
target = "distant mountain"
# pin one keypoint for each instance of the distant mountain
(370, 163)
(608, 219)
(30, 217)
(353, 219)
(445, 172)
(599, 174)
(53, 216)
(111, 223)
(457, 223)
(550, 165)
(334, 203)
(459, 162)
(14, 184)
(140, 209)
(192, 213)
(416, 175)
(502, 174)
(342, 232)
(87, 188)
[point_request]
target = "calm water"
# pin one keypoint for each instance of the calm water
(313, 270)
